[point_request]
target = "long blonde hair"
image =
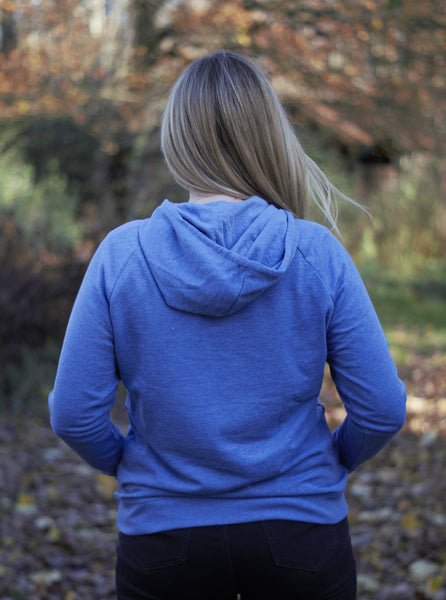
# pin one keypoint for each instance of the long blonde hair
(225, 131)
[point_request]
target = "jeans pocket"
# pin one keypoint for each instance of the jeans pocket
(156, 550)
(304, 546)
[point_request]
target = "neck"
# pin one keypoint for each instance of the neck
(204, 198)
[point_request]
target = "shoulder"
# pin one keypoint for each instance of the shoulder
(318, 245)
(319, 248)
(121, 241)
(123, 235)
(114, 253)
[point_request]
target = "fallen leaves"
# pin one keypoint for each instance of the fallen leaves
(57, 526)
(398, 521)
(58, 532)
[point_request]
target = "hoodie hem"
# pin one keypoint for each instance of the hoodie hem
(166, 513)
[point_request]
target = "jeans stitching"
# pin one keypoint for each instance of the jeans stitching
(331, 543)
(139, 544)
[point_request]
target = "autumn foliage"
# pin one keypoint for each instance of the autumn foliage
(372, 72)
(83, 85)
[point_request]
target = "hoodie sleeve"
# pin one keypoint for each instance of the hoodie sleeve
(362, 368)
(87, 375)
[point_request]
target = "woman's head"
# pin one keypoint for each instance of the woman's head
(225, 131)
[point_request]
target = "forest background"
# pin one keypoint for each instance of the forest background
(82, 87)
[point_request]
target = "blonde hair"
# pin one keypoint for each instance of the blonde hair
(224, 130)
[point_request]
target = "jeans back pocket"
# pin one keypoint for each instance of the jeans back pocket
(155, 550)
(304, 546)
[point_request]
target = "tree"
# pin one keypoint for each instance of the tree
(370, 76)
(373, 72)
(8, 33)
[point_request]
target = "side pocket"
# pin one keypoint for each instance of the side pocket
(304, 546)
(156, 550)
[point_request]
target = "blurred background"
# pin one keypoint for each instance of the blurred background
(82, 87)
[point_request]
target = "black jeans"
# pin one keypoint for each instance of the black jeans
(271, 560)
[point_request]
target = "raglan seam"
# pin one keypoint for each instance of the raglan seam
(112, 248)
(121, 272)
(318, 273)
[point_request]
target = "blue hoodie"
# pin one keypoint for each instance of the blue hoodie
(219, 319)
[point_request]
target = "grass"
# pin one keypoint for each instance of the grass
(412, 309)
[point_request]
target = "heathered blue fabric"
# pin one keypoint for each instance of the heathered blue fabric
(219, 318)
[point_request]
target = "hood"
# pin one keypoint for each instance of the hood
(212, 259)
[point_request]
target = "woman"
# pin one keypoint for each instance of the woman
(219, 315)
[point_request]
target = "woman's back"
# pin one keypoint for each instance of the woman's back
(224, 407)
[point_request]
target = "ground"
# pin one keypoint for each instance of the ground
(58, 533)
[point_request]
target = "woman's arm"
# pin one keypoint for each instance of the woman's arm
(87, 377)
(363, 371)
